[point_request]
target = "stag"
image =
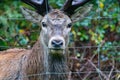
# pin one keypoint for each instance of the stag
(47, 59)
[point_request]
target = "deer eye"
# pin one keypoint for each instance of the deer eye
(69, 25)
(44, 24)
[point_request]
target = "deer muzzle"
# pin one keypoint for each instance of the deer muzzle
(56, 42)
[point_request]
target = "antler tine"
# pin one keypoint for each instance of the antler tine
(67, 4)
(40, 5)
(71, 5)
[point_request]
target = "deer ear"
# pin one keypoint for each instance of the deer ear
(81, 12)
(31, 15)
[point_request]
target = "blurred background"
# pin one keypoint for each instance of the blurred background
(98, 33)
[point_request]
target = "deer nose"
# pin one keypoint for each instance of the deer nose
(57, 43)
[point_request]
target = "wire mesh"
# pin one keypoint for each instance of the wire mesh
(82, 73)
(88, 66)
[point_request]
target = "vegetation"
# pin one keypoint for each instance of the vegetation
(99, 32)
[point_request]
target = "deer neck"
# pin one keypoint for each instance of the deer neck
(55, 62)
(42, 60)
(57, 66)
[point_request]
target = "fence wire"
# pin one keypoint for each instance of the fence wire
(82, 74)
(12, 18)
(95, 69)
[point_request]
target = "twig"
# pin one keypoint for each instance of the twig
(98, 70)
(113, 61)
(87, 75)
(69, 75)
(84, 53)
(87, 62)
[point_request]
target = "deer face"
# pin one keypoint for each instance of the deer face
(55, 24)
(56, 27)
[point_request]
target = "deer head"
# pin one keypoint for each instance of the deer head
(55, 23)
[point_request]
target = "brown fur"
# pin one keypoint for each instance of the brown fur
(12, 63)
(56, 14)
(22, 64)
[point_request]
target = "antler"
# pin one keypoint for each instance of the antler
(40, 5)
(71, 5)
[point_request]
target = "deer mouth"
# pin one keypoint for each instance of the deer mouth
(56, 48)
(56, 51)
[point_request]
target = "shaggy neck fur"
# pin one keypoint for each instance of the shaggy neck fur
(42, 60)
(35, 65)
(57, 66)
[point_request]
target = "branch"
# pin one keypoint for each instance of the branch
(98, 70)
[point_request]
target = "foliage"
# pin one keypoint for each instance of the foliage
(110, 50)
(103, 20)
(100, 27)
